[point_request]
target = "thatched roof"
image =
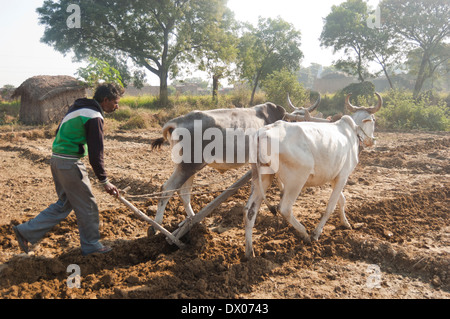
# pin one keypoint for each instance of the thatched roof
(44, 87)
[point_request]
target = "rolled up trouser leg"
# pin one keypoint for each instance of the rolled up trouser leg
(36, 228)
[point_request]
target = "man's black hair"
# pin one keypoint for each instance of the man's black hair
(111, 91)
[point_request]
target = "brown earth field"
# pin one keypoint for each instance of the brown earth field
(397, 204)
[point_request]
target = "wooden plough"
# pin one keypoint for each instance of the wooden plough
(189, 222)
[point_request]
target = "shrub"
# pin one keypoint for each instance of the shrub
(401, 111)
(122, 114)
(9, 112)
(141, 119)
(281, 83)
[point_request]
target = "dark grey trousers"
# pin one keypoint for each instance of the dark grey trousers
(74, 193)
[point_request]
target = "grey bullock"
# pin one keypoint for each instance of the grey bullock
(219, 138)
(308, 154)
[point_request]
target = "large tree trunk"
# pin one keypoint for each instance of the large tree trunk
(215, 91)
(420, 76)
(255, 86)
(360, 68)
(163, 92)
(164, 73)
(388, 78)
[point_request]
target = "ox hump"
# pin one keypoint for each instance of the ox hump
(347, 120)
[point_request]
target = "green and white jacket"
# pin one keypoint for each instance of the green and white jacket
(81, 133)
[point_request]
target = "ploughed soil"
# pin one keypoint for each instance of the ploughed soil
(397, 203)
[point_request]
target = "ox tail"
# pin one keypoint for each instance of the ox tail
(167, 133)
(273, 209)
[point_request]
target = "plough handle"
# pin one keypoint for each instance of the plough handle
(141, 215)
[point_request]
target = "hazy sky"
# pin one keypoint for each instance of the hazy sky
(22, 55)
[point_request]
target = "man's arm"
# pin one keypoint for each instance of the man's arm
(94, 138)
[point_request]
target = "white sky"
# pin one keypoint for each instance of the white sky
(22, 55)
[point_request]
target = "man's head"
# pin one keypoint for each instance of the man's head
(108, 96)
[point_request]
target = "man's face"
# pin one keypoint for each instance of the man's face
(110, 106)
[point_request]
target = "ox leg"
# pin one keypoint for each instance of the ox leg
(287, 201)
(185, 194)
(251, 209)
(343, 218)
(335, 196)
(178, 179)
(293, 179)
(281, 186)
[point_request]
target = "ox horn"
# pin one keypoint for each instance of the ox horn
(376, 108)
(309, 109)
(315, 105)
(291, 106)
(371, 110)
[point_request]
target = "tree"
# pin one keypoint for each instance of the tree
(345, 29)
(98, 71)
(437, 66)
(273, 45)
(383, 47)
(281, 83)
(423, 24)
(220, 51)
(156, 35)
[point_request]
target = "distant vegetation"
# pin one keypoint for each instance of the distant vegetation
(407, 45)
(400, 111)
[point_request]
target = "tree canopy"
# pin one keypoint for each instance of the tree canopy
(156, 35)
(423, 25)
(273, 45)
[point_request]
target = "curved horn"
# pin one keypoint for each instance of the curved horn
(348, 105)
(371, 110)
(375, 109)
(291, 106)
(351, 107)
(315, 105)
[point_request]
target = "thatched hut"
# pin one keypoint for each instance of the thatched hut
(46, 99)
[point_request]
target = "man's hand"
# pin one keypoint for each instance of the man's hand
(111, 189)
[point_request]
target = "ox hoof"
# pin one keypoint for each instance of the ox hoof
(314, 236)
(307, 240)
(249, 255)
(151, 232)
(347, 226)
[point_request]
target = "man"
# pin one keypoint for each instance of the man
(79, 134)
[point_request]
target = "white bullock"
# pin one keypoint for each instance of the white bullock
(308, 154)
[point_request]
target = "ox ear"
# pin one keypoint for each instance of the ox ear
(370, 118)
(275, 112)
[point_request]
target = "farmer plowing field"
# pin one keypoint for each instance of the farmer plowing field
(79, 134)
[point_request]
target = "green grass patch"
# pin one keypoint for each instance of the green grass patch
(9, 112)
(400, 111)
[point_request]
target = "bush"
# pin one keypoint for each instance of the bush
(401, 111)
(281, 83)
(362, 95)
(9, 112)
(140, 119)
(122, 114)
